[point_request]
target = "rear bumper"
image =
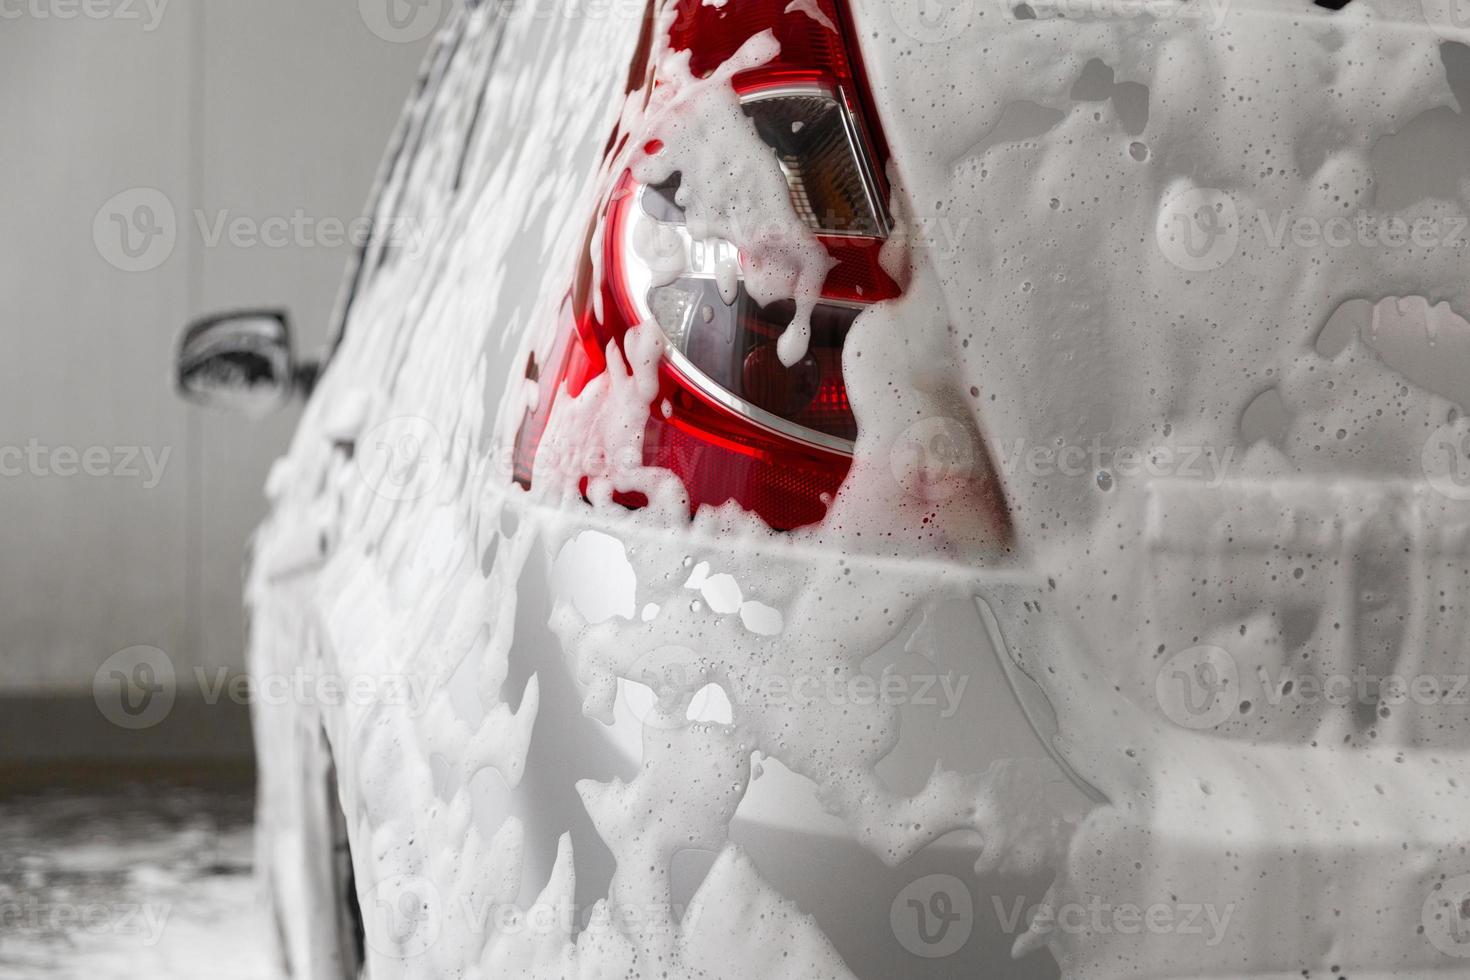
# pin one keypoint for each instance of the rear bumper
(1309, 853)
(1309, 856)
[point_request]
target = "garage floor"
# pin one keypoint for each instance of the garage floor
(139, 881)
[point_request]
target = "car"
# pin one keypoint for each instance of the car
(849, 488)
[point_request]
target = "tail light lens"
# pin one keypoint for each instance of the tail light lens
(731, 420)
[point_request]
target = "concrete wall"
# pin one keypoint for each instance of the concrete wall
(124, 514)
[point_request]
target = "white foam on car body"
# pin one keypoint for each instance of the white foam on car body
(1070, 309)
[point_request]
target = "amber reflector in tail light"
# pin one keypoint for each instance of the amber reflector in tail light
(730, 419)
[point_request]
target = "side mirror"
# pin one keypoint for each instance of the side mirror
(241, 362)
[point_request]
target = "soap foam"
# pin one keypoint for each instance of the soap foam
(1066, 303)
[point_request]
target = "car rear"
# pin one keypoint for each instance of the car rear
(862, 466)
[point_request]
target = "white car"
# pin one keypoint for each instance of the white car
(883, 488)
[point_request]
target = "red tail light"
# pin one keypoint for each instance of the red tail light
(730, 419)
